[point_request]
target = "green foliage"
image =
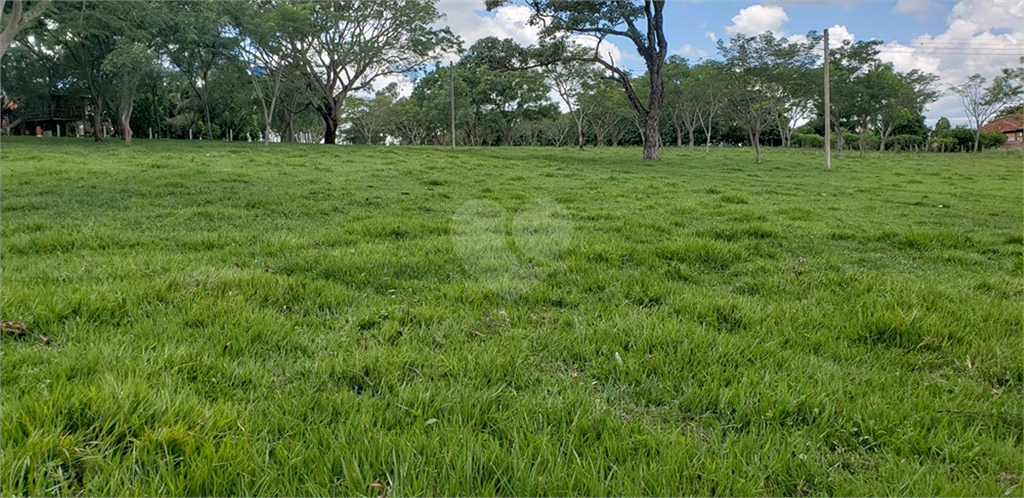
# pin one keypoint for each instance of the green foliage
(992, 140)
(225, 319)
(906, 142)
(808, 141)
(947, 144)
(942, 128)
(964, 138)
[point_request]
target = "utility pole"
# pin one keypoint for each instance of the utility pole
(451, 82)
(828, 112)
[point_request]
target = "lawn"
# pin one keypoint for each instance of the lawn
(208, 318)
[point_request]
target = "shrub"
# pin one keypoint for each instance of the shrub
(947, 144)
(808, 140)
(964, 137)
(905, 142)
(991, 140)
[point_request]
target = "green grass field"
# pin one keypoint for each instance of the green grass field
(206, 318)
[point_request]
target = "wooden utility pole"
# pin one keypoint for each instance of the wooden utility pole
(451, 82)
(828, 112)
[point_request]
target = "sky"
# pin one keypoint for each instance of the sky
(950, 38)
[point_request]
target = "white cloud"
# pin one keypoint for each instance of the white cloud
(757, 19)
(471, 22)
(915, 7)
(689, 51)
(712, 36)
(968, 46)
(990, 14)
(837, 34)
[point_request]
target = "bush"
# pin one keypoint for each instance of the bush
(906, 142)
(964, 137)
(991, 140)
(808, 141)
(871, 142)
(947, 144)
(851, 141)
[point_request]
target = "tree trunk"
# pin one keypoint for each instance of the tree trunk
(652, 130)
(97, 126)
(707, 146)
(691, 138)
(861, 144)
(579, 133)
(839, 141)
(288, 134)
(328, 110)
(755, 142)
(127, 131)
(330, 130)
(885, 136)
(126, 128)
(977, 137)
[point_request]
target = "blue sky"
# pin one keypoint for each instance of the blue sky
(691, 20)
(950, 38)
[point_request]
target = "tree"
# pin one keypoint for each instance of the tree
(611, 113)
(261, 26)
(708, 79)
(851, 98)
(35, 78)
(432, 97)
(346, 45)
(680, 98)
(128, 65)
(15, 18)
(900, 98)
(370, 119)
(759, 70)
(1015, 77)
(572, 79)
(642, 23)
(981, 102)
(88, 32)
(194, 37)
(503, 98)
(295, 107)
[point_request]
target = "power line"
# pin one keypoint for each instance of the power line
(948, 52)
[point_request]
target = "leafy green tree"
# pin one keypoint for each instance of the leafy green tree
(370, 119)
(611, 114)
(262, 27)
(16, 18)
(572, 78)
(642, 23)
(87, 33)
(347, 45)
(35, 78)
(899, 100)
(194, 36)
(852, 104)
(126, 67)
(503, 99)
(759, 71)
(982, 102)
(942, 128)
(680, 102)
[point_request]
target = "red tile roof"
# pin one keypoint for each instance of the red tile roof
(1010, 124)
